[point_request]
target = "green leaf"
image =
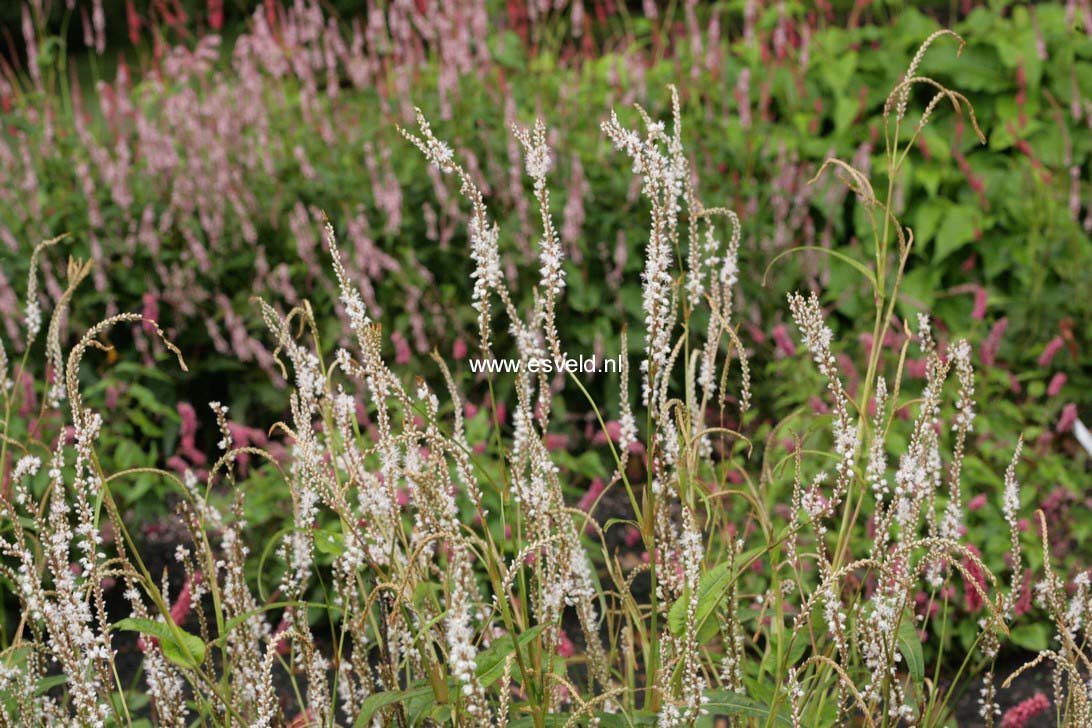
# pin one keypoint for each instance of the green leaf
(929, 176)
(186, 651)
(146, 426)
(926, 220)
(606, 720)
(149, 401)
(956, 230)
(838, 71)
(711, 589)
(861, 267)
(377, 701)
(418, 707)
(491, 660)
(508, 49)
(128, 454)
(1034, 637)
(724, 702)
(130, 370)
(190, 656)
(910, 647)
(846, 109)
(330, 542)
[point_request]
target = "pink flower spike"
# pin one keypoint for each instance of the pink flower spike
(184, 603)
(565, 646)
(917, 368)
(189, 423)
(459, 350)
(401, 348)
(980, 298)
(595, 489)
(866, 342)
(30, 398)
(756, 333)
(783, 341)
(973, 575)
(1056, 384)
(977, 502)
(1020, 715)
(216, 14)
(1052, 348)
(133, 20)
(1069, 416)
(1023, 602)
(150, 313)
(613, 431)
(992, 344)
(555, 441)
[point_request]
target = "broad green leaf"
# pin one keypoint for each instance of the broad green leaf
(330, 542)
(711, 589)
(146, 426)
(927, 220)
(1034, 637)
(846, 109)
(187, 651)
(910, 647)
(956, 230)
(838, 71)
(420, 707)
(606, 720)
(149, 401)
(490, 667)
(131, 370)
(724, 702)
(128, 454)
(509, 50)
(377, 701)
(929, 176)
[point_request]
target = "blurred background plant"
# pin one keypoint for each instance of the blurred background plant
(194, 143)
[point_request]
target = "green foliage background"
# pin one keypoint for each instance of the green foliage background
(997, 215)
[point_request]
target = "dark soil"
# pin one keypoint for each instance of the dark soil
(1038, 679)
